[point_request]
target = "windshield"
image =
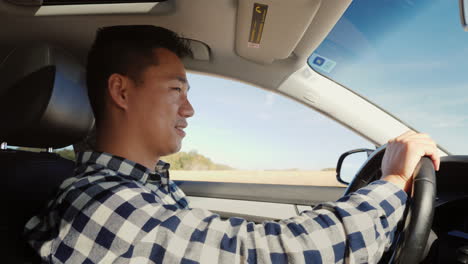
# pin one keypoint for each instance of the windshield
(410, 57)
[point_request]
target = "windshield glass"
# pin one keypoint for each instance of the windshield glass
(410, 57)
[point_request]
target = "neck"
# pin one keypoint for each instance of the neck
(120, 142)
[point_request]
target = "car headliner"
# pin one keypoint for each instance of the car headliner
(211, 22)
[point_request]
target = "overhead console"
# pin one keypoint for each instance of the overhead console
(269, 30)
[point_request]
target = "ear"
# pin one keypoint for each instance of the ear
(117, 86)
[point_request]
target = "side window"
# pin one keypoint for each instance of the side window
(241, 133)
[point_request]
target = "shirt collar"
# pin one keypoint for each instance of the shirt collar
(124, 166)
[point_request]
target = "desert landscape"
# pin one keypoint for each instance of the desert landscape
(287, 177)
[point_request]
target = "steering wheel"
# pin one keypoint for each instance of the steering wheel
(412, 233)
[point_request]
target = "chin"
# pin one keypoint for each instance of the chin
(173, 149)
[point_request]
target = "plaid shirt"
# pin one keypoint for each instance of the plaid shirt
(115, 210)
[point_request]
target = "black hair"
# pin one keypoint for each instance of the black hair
(126, 50)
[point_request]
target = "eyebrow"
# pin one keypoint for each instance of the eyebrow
(183, 80)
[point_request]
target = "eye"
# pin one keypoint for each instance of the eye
(177, 89)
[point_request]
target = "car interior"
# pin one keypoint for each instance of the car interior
(44, 104)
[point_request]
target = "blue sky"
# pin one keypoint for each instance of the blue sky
(412, 61)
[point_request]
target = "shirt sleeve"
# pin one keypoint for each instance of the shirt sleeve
(127, 224)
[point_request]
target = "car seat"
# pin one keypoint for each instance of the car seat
(43, 104)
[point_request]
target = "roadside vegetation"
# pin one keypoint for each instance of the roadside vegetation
(192, 161)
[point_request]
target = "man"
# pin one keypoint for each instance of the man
(119, 209)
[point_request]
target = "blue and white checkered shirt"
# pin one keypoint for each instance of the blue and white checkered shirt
(117, 211)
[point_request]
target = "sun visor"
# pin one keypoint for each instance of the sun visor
(269, 30)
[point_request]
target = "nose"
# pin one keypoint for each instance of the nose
(186, 110)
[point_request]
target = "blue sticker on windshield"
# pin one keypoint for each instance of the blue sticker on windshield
(321, 63)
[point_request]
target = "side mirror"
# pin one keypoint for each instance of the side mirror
(349, 164)
(463, 4)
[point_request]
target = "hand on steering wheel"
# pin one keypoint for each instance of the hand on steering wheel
(402, 165)
(403, 154)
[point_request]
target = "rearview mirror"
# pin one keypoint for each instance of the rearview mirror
(464, 13)
(349, 164)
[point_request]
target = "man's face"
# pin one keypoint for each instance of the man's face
(158, 104)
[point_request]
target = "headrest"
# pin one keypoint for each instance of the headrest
(43, 98)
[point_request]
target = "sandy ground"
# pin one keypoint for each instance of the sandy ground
(316, 178)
